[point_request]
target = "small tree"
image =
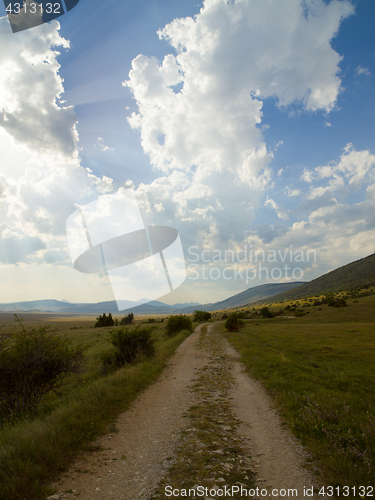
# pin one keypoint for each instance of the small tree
(178, 323)
(127, 320)
(201, 315)
(266, 313)
(104, 320)
(33, 363)
(231, 323)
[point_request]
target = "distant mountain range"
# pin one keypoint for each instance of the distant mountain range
(153, 307)
(65, 307)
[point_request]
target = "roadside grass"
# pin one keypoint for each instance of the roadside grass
(35, 450)
(319, 368)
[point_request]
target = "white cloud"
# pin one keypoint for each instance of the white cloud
(233, 53)
(354, 169)
(200, 109)
(102, 146)
(30, 89)
(280, 212)
(307, 175)
(292, 192)
(41, 178)
(363, 71)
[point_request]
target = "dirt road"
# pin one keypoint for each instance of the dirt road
(204, 424)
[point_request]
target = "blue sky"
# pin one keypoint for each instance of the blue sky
(245, 125)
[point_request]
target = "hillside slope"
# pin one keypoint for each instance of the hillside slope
(248, 296)
(354, 275)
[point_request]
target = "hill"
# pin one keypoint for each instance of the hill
(250, 295)
(357, 274)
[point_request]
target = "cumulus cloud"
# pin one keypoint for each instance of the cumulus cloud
(339, 232)
(41, 179)
(229, 57)
(200, 109)
(30, 107)
(354, 169)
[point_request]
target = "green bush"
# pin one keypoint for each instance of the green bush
(104, 320)
(340, 303)
(202, 316)
(266, 313)
(231, 323)
(300, 312)
(130, 345)
(127, 320)
(178, 323)
(33, 363)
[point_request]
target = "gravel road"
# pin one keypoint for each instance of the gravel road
(132, 461)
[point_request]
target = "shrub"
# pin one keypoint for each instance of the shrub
(130, 345)
(231, 323)
(33, 363)
(224, 316)
(202, 315)
(104, 320)
(266, 313)
(127, 320)
(178, 323)
(340, 302)
(300, 313)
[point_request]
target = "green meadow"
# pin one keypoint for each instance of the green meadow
(36, 449)
(320, 370)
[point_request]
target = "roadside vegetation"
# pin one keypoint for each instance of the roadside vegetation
(316, 359)
(105, 367)
(176, 324)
